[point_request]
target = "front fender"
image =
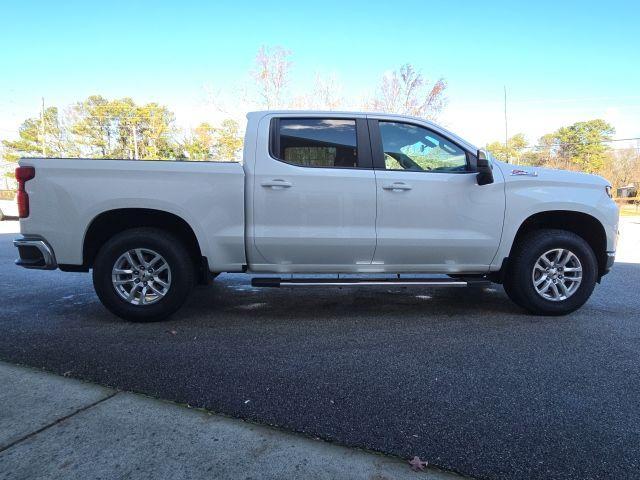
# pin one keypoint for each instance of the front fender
(555, 190)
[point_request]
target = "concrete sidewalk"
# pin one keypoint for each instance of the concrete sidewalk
(55, 427)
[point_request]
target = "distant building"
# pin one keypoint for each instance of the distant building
(628, 191)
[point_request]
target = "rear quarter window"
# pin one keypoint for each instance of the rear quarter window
(315, 142)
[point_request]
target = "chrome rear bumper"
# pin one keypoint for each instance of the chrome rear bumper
(35, 253)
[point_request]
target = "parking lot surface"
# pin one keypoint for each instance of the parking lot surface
(462, 378)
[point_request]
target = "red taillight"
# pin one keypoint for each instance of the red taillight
(23, 174)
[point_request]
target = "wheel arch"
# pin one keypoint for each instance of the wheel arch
(582, 224)
(111, 222)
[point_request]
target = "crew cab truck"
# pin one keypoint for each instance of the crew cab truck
(320, 192)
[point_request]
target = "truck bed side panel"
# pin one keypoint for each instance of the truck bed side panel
(66, 195)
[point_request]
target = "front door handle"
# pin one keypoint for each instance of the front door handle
(397, 186)
(277, 182)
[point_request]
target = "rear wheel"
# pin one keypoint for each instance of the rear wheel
(143, 274)
(551, 272)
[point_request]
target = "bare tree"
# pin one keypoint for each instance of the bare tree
(406, 91)
(622, 167)
(272, 74)
(325, 95)
(328, 92)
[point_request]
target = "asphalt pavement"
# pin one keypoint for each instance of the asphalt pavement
(461, 378)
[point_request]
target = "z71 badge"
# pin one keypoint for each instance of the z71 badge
(517, 172)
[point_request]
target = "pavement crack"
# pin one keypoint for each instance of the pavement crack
(57, 421)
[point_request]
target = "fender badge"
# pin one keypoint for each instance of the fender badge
(517, 173)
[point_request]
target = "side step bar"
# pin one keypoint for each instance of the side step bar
(277, 282)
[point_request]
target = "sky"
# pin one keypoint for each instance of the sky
(560, 61)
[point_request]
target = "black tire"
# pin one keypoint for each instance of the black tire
(170, 248)
(518, 282)
(508, 288)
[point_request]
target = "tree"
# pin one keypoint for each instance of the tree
(229, 141)
(39, 137)
(271, 73)
(199, 146)
(155, 127)
(582, 144)
(512, 151)
(542, 154)
(327, 93)
(406, 91)
(93, 127)
(121, 129)
(622, 167)
(210, 143)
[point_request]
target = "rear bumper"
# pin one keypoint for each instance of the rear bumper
(35, 253)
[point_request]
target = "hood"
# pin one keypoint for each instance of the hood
(513, 172)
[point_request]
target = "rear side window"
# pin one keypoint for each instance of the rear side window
(315, 142)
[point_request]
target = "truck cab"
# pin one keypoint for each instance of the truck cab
(367, 194)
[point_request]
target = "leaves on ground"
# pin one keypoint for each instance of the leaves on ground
(417, 464)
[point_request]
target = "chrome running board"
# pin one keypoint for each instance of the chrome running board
(277, 282)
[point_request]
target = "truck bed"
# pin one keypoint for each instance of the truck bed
(66, 195)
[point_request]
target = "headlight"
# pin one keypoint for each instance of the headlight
(609, 190)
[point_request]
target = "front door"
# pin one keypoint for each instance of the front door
(314, 205)
(432, 214)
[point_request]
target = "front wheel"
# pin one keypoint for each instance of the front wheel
(143, 274)
(552, 272)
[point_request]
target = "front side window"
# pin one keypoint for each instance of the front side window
(409, 147)
(317, 142)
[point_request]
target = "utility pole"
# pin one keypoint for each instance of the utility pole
(506, 132)
(135, 142)
(42, 130)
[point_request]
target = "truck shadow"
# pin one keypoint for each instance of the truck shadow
(231, 298)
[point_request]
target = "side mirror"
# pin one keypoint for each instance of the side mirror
(485, 172)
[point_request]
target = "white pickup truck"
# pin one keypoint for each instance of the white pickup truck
(376, 195)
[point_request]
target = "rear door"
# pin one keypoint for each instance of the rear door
(432, 214)
(314, 197)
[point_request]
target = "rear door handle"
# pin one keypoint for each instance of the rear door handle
(397, 186)
(275, 183)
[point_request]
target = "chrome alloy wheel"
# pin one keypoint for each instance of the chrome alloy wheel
(557, 274)
(141, 276)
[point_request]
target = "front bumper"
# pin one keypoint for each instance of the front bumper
(611, 258)
(35, 253)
